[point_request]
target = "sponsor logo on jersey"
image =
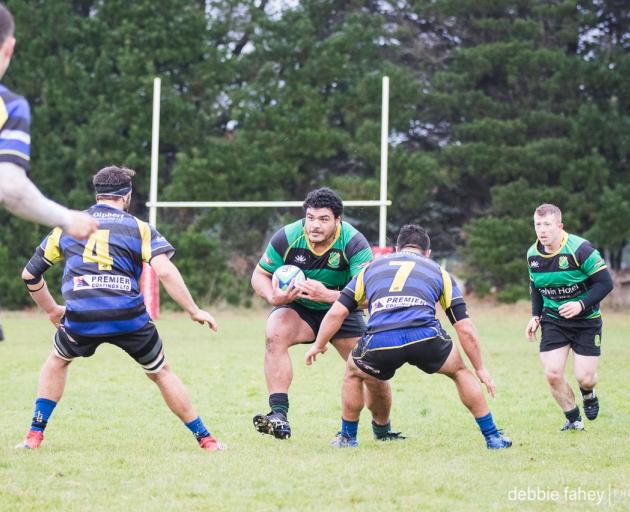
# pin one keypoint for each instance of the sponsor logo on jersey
(534, 264)
(267, 260)
(562, 292)
(396, 302)
(97, 281)
(334, 259)
(563, 262)
(300, 259)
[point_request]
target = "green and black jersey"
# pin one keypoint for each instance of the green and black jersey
(334, 267)
(565, 275)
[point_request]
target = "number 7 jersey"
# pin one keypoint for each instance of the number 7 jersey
(100, 282)
(401, 290)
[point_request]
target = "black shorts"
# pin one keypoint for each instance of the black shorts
(353, 326)
(381, 354)
(143, 345)
(583, 335)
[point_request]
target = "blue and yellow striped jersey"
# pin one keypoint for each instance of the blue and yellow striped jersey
(101, 276)
(401, 290)
(15, 123)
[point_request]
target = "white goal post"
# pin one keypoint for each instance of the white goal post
(154, 204)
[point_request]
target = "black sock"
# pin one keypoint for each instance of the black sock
(573, 415)
(279, 402)
(588, 393)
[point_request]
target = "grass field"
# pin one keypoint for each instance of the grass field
(113, 445)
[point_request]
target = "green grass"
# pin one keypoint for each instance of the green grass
(113, 445)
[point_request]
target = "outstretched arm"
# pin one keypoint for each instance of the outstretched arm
(175, 286)
(469, 341)
(22, 198)
(329, 326)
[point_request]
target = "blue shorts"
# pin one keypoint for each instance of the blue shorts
(382, 353)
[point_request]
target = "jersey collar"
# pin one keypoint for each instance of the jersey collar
(310, 247)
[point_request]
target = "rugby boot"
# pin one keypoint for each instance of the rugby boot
(591, 406)
(211, 444)
(32, 441)
(390, 436)
(498, 441)
(274, 424)
(344, 441)
(572, 425)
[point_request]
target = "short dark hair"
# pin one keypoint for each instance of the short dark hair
(412, 235)
(110, 179)
(7, 25)
(324, 198)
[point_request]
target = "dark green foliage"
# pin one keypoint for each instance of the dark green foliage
(495, 108)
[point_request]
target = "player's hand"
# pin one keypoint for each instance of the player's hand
(532, 327)
(314, 290)
(487, 380)
(280, 297)
(311, 355)
(81, 225)
(570, 309)
(56, 314)
(203, 317)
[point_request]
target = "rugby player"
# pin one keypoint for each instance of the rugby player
(568, 279)
(18, 194)
(104, 303)
(330, 252)
(401, 290)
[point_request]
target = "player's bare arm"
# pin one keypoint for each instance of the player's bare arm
(532, 328)
(264, 287)
(38, 289)
(469, 341)
(175, 286)
(22, 198)
(330, 325)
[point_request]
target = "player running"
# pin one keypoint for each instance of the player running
(104, 303)
(401, 291)
(330, 252)
(569, 278)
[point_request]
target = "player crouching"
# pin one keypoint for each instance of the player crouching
(401, 291)
(104, 303)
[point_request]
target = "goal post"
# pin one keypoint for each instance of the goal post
(149, 283)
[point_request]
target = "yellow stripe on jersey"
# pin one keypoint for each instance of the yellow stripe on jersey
(4, 115)
(52, 251)
(13, 152)
(310, 247)
(359, 292)
(447, 291)
(145, 234)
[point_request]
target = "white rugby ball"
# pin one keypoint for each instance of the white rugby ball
(287, 276)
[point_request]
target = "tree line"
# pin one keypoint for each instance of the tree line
(495, 108)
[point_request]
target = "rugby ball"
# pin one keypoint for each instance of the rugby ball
(287, 276)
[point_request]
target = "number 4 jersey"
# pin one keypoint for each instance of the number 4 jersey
(100, 282)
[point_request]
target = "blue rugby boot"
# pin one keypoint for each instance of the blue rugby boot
(498, 441)
(344, 441)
